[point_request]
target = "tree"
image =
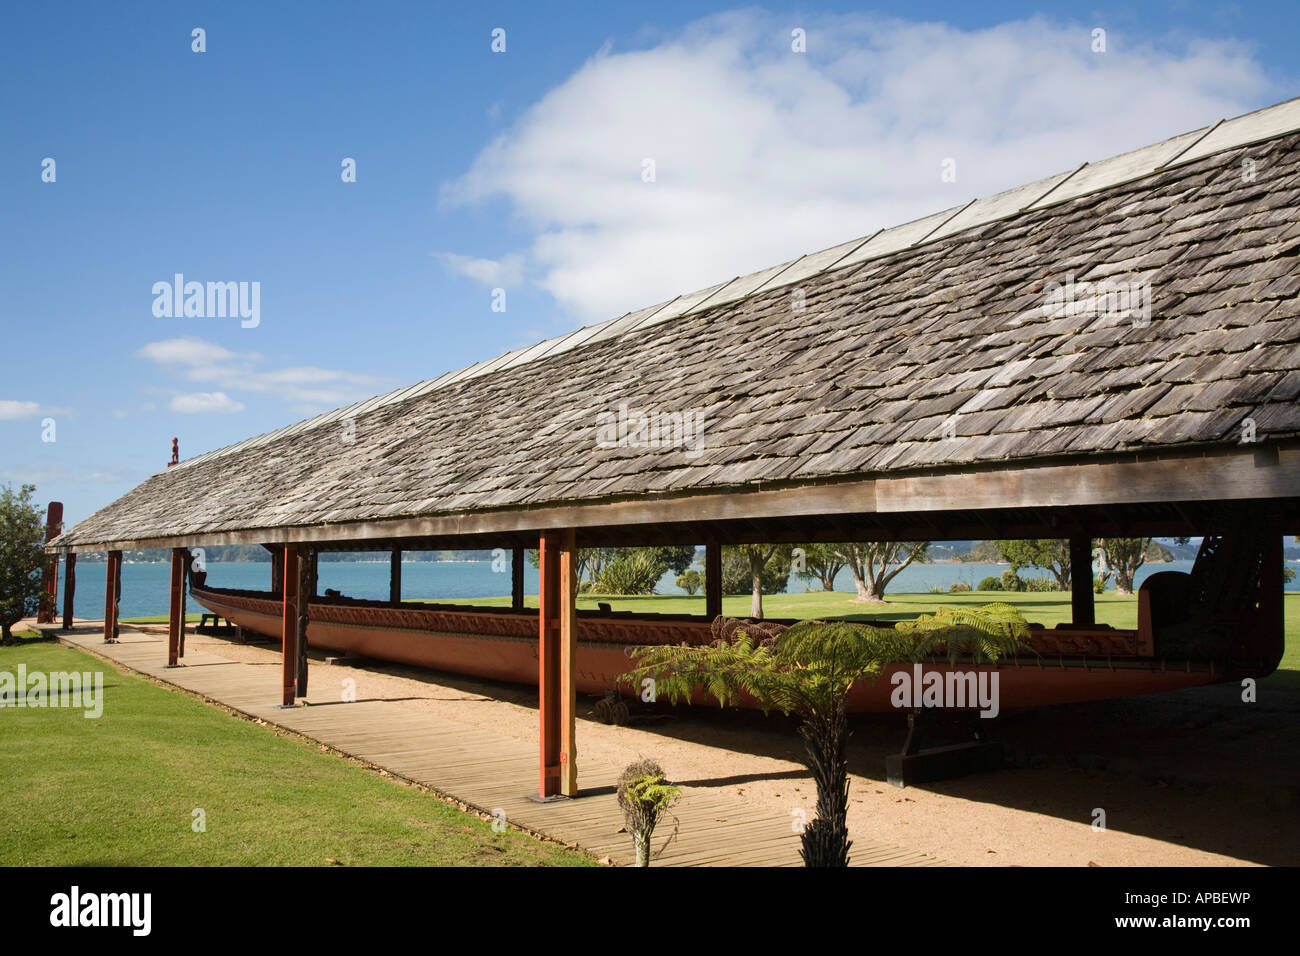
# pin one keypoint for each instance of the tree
(634, 570)
(22, 555)
(983, 552)
(1123, 557)
(809, 669)
(690, 580)
(821, 563)
(870, 563)
(759, 558)
(590, 561)
(737, 578)
(1053, 554)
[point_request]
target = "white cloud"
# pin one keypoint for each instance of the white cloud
(189, 351)
(41, 475)
(200, 361)
(200, 402)
(489, 272)
(14, 410)
(35, 474)
(10, 410)
(762, 154)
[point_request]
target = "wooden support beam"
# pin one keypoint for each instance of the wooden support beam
(568, 662)
(289, 624)
(1081, 593)
(517, 579)
(395, 577)
(1112, 484)
(306, 591)
(50, 569)
(176, 608)
(112, 595)
(557, 641)
(69, 589)
(277, 570)
(187, 560)
(713, 580)
(1272, 614)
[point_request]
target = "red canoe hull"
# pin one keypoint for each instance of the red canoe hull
(503, 646)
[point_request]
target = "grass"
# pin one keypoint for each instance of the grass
(121, 790)
(1044, 607)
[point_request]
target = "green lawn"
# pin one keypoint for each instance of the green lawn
(121, 790)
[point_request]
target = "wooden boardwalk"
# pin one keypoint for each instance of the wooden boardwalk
(486, 770)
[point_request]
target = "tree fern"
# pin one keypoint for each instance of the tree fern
(809, 669)
(985, 633)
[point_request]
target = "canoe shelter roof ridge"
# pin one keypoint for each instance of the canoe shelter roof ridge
(926, 347)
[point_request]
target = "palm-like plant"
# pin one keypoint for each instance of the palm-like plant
(983, 634)
(809, 669)
(644, 795)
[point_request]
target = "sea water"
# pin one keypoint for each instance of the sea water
(145, 586)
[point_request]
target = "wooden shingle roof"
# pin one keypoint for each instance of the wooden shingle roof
(938, 347)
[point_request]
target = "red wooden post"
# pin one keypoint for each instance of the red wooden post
(306, 594)
(557, 690)
(50, 570)
(112, 585)
(568, 660)
(289, 625)
(548, 659)
(69, 588)
(176, 611)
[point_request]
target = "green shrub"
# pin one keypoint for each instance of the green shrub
(958, 586)
(1011, 581)
(990, 584)
(644, 796)
(634, 571)
(1041, 584)
(690, 580)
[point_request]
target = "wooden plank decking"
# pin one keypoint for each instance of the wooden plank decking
(486, 770)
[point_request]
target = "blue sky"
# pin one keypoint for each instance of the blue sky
(522, 170)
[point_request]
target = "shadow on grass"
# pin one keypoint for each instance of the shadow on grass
(1282, 680)
(23, 638)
